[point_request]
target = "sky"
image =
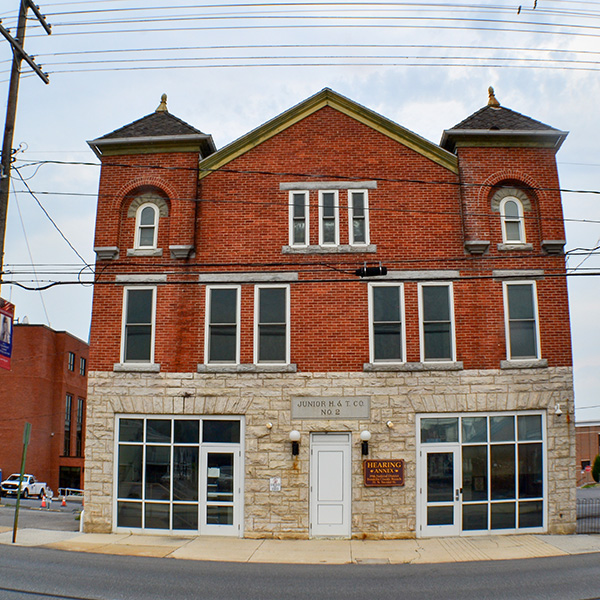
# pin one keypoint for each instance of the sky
(228, 67)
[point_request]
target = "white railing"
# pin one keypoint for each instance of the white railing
(70, 493)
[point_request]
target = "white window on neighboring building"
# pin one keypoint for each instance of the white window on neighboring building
(146, 226)
(513, 224)
(271, 324)
(436, 322)
(139, 308)
(329, 218)
(386, 322)
(521, 316)
(222, 345)
(299, 218)
(358, 219)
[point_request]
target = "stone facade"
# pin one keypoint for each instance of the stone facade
(378, 513)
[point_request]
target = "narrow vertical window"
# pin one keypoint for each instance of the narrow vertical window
(437, 330)
(522, 322)
(146, 226)
(223, 311)
(271, 324)
(299, 219)
(82, 366)
(329, 233)
(79, 428)
(71, 361)
(513, 229)
(138, 325)
(359, 223)
(67, 431)
(386, 310)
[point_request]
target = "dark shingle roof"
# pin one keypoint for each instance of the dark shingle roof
(156, 124)
(499, 118)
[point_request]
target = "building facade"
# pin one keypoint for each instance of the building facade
(588, 447)
(331, 327)
(47, 387)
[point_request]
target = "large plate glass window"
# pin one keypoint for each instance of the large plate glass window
(522, 331)
(138, 325)
(437, 327)
(222, 325)
(272, 324)
(387, 322)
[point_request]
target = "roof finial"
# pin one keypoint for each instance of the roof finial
(162, 107)
(492, 99)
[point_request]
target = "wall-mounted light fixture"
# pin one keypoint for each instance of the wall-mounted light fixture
(558, 410)
(295, 439)
(390, 425)
(365, 436)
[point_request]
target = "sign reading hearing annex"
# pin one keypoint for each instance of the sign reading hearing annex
(326, 407)
(383, 473)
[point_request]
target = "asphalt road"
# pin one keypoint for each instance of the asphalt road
(34, 573)
(31, 516)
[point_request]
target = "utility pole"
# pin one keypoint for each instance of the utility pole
(19, 55)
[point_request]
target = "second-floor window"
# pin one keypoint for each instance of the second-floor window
(329, 218)
(522, 335)
(67, 431)
(437, 327)
(271, 332)
(146, 226)
(82, 366)
(386, 322)
(222, 325)
(357, 217)
(138, 325)
(513, 227)
(71, 361)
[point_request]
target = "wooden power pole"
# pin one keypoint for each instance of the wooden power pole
(19, 55)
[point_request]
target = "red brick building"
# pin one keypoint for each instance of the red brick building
(47, 387)
(240, 358)
(588, 447)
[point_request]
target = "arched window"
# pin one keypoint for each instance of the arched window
(513, 226)
(146, 226)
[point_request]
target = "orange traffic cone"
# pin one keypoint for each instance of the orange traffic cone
(64, 502)
(43, 501)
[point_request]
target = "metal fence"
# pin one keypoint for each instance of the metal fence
(588, 515)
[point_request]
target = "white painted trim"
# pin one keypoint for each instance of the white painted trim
(257, 290)
(450, 287)
(536, 315)
(336, 216)
(520, 219)
(306, 218)
(351, 217)
(371, 304)
(126, 291)
(138, 226)
(209, 289)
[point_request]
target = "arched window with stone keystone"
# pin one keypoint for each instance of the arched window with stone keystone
(147, 208)
(512, 203)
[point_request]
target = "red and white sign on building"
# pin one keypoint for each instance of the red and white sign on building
(7, 314)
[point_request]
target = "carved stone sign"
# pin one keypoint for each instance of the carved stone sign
(383, 473)
(326, 407)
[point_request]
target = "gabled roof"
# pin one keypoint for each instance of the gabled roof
(328, 97)
(495, 125)
(159, 131)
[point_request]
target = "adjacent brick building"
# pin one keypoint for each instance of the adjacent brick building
(588, 447)
(47, 387)
(255, 373)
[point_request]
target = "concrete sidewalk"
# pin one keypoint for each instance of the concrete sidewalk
(438, 550)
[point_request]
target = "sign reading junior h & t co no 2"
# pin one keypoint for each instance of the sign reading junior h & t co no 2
(383, 473)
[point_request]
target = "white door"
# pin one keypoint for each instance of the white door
(330, 487)
(439, 491)
(220, 491)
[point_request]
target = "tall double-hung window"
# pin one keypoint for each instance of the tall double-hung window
(513, 226)
(299, 218)
(146, 226)
(437, 322)
(386, 310)
(138, 325)
(329, 218)
(222, 344)
(358, 217)
(522, 327)
(271, 335)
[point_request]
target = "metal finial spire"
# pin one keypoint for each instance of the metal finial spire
(162, 107)
(492, 99)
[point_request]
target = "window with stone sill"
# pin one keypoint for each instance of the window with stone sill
(146, 227)
(436, 322)
(522, 326)
(386, 323)
(139, 308)
(513, 224)
(222, 343)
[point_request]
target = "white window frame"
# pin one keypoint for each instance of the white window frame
(209, 290)
(139, 226)
(452, 322)
(372, 358)
(305, 193)
(532, 284)
(336, 216)
(257, 290)
(126, 291)
(365, 194)
(519, 219)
